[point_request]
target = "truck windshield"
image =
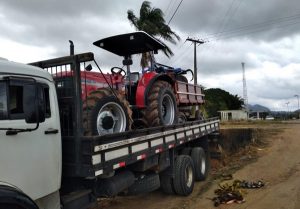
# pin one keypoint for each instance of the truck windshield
(3, 101)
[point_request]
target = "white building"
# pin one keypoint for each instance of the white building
(233, 115)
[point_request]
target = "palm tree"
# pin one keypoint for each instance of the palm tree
(152, 21)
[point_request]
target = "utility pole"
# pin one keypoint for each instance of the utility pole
(296, 95)
(195, 56)
(287, 105)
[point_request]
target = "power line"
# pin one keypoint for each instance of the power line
(184, 53)
(255, 31)
(231, 16)
(175, 12)
(224, 18)
(181, 55)
(249, 29)
(256, 25)
(170, 7)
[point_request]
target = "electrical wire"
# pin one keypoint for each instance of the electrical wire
(230, 12)
(246, 30)
(231, 16)
(182, 55)
(168, 7)
(257, 25)
(221, 25)
(254, 28)
(257, 31)
(175, 12)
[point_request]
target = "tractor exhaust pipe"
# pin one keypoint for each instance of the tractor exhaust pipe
(71, 47)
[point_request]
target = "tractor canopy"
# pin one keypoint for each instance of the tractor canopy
(130, 43)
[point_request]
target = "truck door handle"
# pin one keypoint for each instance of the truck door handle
(51, 131)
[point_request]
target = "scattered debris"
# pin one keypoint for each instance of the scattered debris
(226, 177)
(233, 193)
(251, 185)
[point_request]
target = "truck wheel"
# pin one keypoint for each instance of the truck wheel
(11, 206)
(144, 184)
(184, 176)
(103, 113)
(162, 108)
(166, 181)
(201, 163)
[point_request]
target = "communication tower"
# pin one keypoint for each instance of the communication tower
(245, 97)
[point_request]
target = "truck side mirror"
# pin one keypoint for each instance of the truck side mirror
(34, 103)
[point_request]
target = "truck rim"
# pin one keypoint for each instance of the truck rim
(111, 119)
(168, 110)
(203, 165)
(189, 176)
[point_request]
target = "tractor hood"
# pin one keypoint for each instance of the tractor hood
(130, 43)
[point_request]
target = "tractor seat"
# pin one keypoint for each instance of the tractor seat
(134, 77)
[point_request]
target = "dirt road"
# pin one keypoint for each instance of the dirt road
(278, 165)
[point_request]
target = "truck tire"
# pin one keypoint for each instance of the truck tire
(11, 206)
(103, 113)
(184, 175)
(166, 181)
(161, 108)
(144, 184)
(201, 163)
(13, 198)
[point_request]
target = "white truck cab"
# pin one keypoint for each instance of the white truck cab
(30, 149)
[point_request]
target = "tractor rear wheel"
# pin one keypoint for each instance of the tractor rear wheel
(161, 107)
(103, 113)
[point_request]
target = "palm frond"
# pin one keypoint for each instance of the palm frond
(152, 21)
(145, 10)
(132, 18)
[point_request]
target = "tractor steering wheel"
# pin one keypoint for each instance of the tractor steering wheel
(120, 70)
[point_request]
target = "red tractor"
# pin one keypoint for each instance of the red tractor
(160, 96)
(125, 100)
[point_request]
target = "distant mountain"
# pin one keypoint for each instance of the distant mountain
(258, 108)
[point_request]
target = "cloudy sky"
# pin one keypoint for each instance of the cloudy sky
(263, 34)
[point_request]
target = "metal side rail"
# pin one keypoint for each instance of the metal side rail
(104, 154)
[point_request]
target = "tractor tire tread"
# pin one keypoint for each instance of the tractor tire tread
(92, 100)
(151, 114)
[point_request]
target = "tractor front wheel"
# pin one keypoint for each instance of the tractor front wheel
(104, 113)
(161, 107)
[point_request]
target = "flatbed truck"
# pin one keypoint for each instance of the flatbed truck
(47, 162)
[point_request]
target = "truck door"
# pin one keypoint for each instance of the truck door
(30, 160)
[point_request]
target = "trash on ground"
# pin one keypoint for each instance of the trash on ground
(234, 192)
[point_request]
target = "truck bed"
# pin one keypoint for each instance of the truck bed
(104, 154)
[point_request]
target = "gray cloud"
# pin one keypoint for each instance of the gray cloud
(259, 20)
